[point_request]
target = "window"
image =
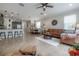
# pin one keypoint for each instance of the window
(38, 24)
(70, 22)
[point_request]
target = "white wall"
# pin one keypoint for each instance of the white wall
(48, 22)
(60, 19)
(6, 23)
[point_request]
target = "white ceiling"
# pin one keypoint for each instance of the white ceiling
(29, 9)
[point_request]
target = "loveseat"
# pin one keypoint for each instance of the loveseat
(55, 32)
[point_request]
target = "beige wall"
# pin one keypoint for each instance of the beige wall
(60, 19)
(48, 22)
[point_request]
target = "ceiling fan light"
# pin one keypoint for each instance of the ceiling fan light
(45, 14)
(44, 7)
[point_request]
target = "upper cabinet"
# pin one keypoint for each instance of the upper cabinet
(1, 21)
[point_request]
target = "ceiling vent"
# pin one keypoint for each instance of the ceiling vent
(21, 4)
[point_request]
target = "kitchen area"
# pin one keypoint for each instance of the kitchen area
(9, 27)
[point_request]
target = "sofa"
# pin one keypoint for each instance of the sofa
(68, 38)
(55, 32)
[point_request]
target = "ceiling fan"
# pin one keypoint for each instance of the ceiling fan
(44, 6)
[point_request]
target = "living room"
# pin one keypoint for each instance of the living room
(35, 29)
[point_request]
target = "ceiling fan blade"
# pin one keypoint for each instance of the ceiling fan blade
(39, 7)
(37, 4)
(44, 4)
(49, 6)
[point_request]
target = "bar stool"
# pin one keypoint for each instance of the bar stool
(10, 34)
(3, 35)
(20, 34)
(15, 34)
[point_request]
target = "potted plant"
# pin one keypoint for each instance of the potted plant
(74, 51)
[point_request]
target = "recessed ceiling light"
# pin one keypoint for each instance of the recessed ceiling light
(70, 4)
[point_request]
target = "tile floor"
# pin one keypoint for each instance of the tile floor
(10, 45)
(7, 46)
(51, 47)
